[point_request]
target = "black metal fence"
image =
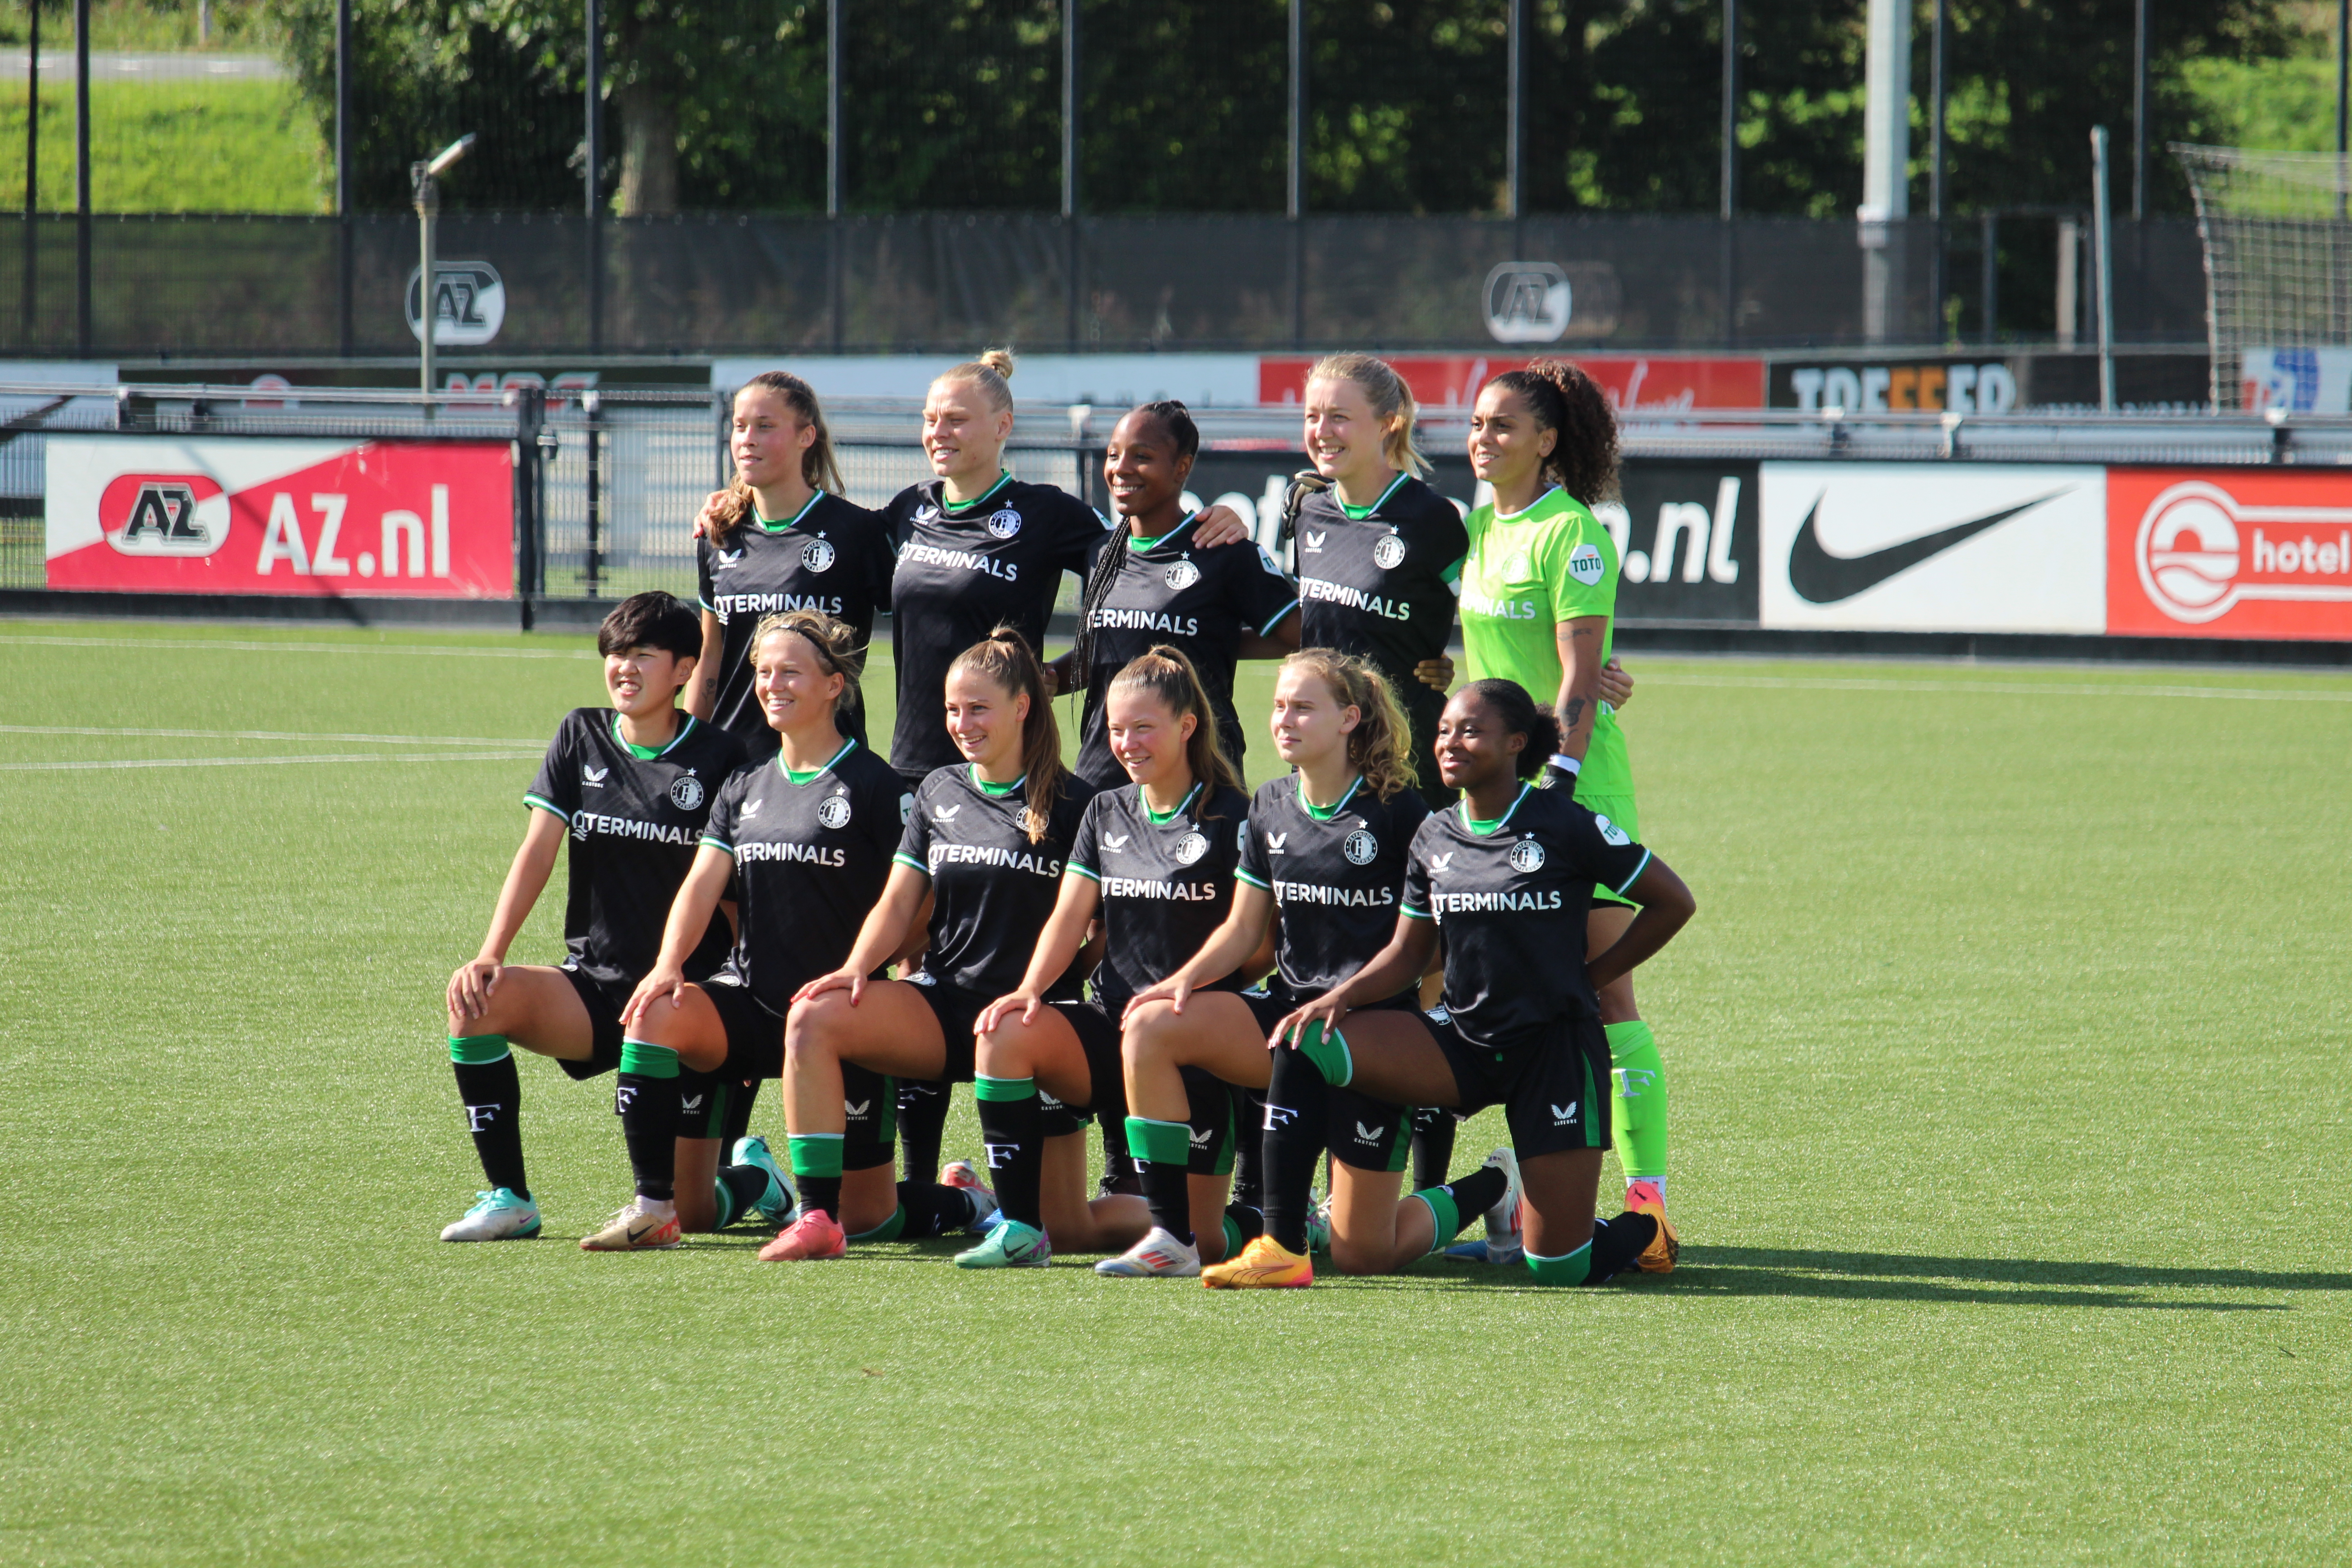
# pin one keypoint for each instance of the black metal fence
(143, 287)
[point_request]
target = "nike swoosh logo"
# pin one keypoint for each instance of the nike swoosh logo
(1822, 578)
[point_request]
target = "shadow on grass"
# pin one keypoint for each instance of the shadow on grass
(2004, 1270)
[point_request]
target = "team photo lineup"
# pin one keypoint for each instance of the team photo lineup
(1437, 907)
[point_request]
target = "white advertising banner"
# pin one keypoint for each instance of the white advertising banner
(1942, 547)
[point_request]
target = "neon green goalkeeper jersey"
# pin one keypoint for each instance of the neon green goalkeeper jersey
(1524, 575)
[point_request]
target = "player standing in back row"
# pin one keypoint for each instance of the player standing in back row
(1539, 607)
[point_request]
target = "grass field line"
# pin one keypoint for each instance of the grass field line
(263, 735)
(207, 642)
(1997, 687)
(268, 762)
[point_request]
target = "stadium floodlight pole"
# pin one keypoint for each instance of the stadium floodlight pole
(833, 150)
(1728, 180)
(2139, 110)
(2102, 241)
(1515, 100)
(81, 175)
(427, 175)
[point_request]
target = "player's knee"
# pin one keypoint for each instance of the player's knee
(1349, 1258)
(1148, 1034)
(1000, 1054)
(807, 1029)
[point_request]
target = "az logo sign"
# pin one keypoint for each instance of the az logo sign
(165, 514)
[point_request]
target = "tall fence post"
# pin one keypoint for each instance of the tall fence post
(32, 174)
(83, 326)
(530, 406)
(835, 170)
(591, 405)
(594, 145)
(344, 310)
(1298, 202)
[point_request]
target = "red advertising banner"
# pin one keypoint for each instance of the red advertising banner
(1635, 383)
(2230, 552)
(166, 515)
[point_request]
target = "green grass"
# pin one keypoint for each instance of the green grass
(2008, 1054)
(201, 146)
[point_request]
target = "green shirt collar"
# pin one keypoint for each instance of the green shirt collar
(957, 507)
(1160, 819)
(1362, 512)
(1325, 813)
(1484, 829)
(1528, 509)
(1140, 545)
(826, 767)
(999, 790)
(770, 525)
(648, 754)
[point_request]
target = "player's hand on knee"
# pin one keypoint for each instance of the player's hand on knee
(1024, 1003)
(660, 983)
(1435, 673)
(470, 988)
(847, 980)
(1174, 991)
(1293, 1026)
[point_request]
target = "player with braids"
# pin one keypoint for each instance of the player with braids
(1539, 607)
(1154, 859)
(1325, 861)
(806, 841)
(1151, 583)
(984, 846)
(1506, 874)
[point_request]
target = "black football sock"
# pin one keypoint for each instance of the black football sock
(1249, 1168)
(1012, 1137)
(1244, 1224)
(1297, 1107)
(869, 1108)
(922, 1122)
(1433, 1146)
(1119, 1174)
(491, 1092)
(933, 1210)
(738, 1187)
(1477, 1193)
(1617, 1242)
(740, 1099)
(646, 1102)
(1163, 1157)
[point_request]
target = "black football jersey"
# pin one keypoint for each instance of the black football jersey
(1383, 586)
(991, 888)
(1202, 601)
(963, 571)
(811, 857)
(1511, 903)
(1337, 876)
(635, 822)
(834, 558)
(1165, 885)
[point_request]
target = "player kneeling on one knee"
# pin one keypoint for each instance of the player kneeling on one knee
(1504, 878)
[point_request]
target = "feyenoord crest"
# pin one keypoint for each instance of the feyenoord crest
(834, 811)
(687, 793)
(1518, 568)
(1026, 820)
(1584, 565)
(1527, 855)
(1004, 524)
(1361, 848)
(1191, 847)
(1182, 575)
(816, 556)
(1389, 554)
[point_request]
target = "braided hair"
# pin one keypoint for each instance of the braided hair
(1176, 420)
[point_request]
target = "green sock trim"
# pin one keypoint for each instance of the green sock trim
(1638, 1121)
(815, 1155)
(888, 1230)
(1329, 1051)
(1233, 1237)
(1004, 1089)
(1571, 1269)
(478, 1050)
(1445, 1211)
(648, 1060)
(1161, 1142)
(723, 1198)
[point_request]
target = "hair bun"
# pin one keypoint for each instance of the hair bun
(998, 360)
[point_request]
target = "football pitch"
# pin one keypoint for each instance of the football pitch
(2009, 1063)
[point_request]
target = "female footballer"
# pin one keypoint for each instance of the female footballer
(806, 839)
(1507, 875)
(780, 538)
(1324, 858)
(1151, 583)
(1153, 860)
(986, 843)
(625, 791)
(1538, 606)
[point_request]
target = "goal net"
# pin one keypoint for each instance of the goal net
(2278, 275)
